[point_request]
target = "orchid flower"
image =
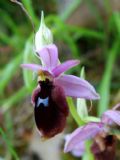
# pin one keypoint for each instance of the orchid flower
(100, 132)
(49, 98)
(72, 85)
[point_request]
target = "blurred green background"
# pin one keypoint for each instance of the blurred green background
(88, 30)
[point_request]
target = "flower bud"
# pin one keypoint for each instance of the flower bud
(43, 36)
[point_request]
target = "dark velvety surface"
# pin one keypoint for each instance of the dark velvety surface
(109, 152)
(51, 109)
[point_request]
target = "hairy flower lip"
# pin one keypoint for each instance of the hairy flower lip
(50, 115)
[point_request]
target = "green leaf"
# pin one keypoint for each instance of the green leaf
(73, 112)
(9, 145)
(92, 119)
(81, 103)
(29, 8)
(9, 71)
(9, 22)
(104, 89)
(14, 99)
(28, 57)
(70, 9)
(79, 32)
(94, 10)
(88, 154)
(116, 17)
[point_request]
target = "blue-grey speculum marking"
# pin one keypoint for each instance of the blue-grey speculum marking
(42, 102)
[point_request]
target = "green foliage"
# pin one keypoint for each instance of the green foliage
(9, 145)
(74, 113)
(28, 57)
(106, 79)
(88, 155)
(17, 34)
(11, 67)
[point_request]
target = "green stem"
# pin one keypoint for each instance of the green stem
(88, 154)
(74, 112)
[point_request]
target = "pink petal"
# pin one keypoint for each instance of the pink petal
(111, 116)
(79, 149)
(49, 56)
(33, 67)
(82, 134)
(64, 67)
(76, 87)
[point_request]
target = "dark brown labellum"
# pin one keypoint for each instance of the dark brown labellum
(108, 151)
(51, 109)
